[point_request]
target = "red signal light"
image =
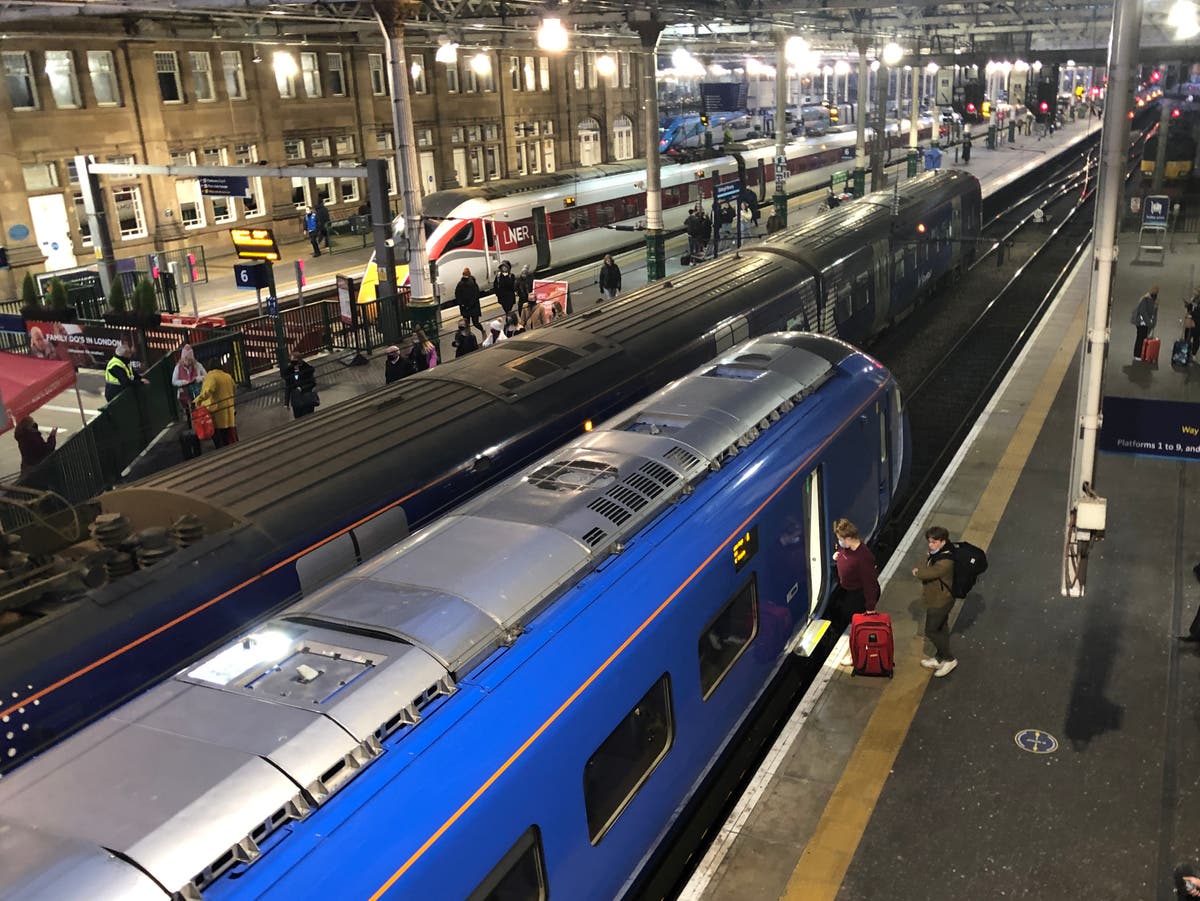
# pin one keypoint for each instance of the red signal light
(1154, 76)
(300, 272)
(1175, 114)
(191, 258)
(970, 107)
(1044, 107)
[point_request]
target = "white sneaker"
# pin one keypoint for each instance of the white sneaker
(946, 667)
(931, 663)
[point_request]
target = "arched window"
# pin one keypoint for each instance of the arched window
(622, 145)
(589, 143)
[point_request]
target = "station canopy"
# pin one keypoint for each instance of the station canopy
(27, 382)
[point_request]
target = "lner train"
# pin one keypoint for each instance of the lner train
(514, 703)
(267, 519)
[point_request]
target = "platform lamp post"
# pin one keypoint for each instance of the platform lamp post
(860, 120)
(423, 310)
(914, 153)
(649, 29)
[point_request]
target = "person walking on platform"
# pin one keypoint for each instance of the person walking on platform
(524, 288)
(937, 575)
(300, 380)
(33, 447)
(119, 374)
(217, 396)
(188, 377)
(312, 230)
(1145, 318)
(466, 295)
(395, 367)
(424, 351)
(1191, 328)
(610, 278)
(857, 573)
(322, 213)
(495, 334)
(464, 342)
(505, 287)
(966, 148)
(512, 326)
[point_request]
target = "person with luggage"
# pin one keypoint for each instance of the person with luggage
(1145, 318)
(217, 397)
(300, 381)
(524, 289)
(188, 376)
(857, 574)
(937, 577)
(1191, 333)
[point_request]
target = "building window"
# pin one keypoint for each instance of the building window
(344, 145)
(202, 80)
(424, 137)
(457, 135)
(548, 155)
(215, 156)
(325, 187)
(349, 189)
(18, 74)
(310, 70)
(235, 78)
(577, 70)
(166, 63)
(319, 146)
(40, 176)
(285, 74)
(245, 154)
(544, 73)
(187, 191)
(727, 636)
(487, 81)
(493, 163)
(223, 210)
(123, 159)
(589, 62)
(535, 157)
(72, 172)
(491, 132)
(514, 72)
(64, 88)
(622, 148)
(82, 222)
(127, 204)
(522, 165)
(417, 70)
(474, 133)
(519, 876)
(626, 62)
(378, 80)
(589, 143)
(253, 205)
(335, 75)
(530, 74)
(623, 763)
(300, 193)
(476, 164)
(103, 72)
(452, 78)
(548, 127)
(293, 149)
(470, 81)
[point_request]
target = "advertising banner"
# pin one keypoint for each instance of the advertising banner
(1155, 428)
(553, 298)
(84, 344)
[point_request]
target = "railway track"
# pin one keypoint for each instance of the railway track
(948, 361)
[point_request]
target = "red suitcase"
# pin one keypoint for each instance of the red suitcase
(1150, 348)
(871, 645)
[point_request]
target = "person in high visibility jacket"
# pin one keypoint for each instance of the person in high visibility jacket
(216, 396)
(119, 374)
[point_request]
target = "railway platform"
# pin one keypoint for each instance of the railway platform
(1060, 759)
(263, 410)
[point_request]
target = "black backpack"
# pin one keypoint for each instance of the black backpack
(970, 562)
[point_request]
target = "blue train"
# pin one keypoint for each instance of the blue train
(514, 703)
(268, 520)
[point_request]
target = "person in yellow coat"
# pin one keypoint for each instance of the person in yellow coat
(216, 396)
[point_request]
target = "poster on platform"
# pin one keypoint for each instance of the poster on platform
(87, 346)
(1155, 428)
(553, 300)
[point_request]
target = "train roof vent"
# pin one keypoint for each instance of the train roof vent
(536, 367)
(512, 384)
(745, 368)
(650, 423)
(573, 475)
(594, 536)
(682, 457)
(562, 356)
(635, 491)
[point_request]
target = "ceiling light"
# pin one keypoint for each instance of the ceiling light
(446, 53)
(717, 70)
(753, 66)
(551, 36)
(284, 64)
(415, 69)
(892, 53)
(931, 68)
(481, 64)
(1183, 19)
(1037, 65)
(874, 65)
(606, 66)
(841, 67)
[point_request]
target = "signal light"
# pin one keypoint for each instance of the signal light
(1044, 106)
(921, 228)
(1175, 113)
(300, 272)
(587, 426)
(704, 118)
(191, 258)
(1130, 114)
(970, 107)
(1154, 76)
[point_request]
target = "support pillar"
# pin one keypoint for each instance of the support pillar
(423, 308)
(97, 213)
(656, 254)
(779, 200)
(914, 153)
(860, 116)
(1082, 501)
(880, 145)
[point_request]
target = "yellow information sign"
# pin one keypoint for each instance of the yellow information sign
(255, 243)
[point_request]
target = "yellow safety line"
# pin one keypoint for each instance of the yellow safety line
(822, 867)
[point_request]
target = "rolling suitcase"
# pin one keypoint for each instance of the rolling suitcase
(189, 443)
(871, 645)
(1150, 348)
(1181, 353)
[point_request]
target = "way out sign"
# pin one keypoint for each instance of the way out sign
(225, 185)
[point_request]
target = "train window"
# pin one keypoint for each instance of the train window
(814, 518)
(883, 438)
(862, 291)
(463, 237)
(727, 636)
(843, 307)
(623, 763)
(519, 876)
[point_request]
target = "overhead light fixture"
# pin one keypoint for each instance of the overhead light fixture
(892, 53)
(1037, 65)
(753, 66)
(447, 52)
(1070, 64)
(874, 65)
(481, 64)
(796, 49)
(257, 58)
(551, 36)
(841, 67)
(717, 70)
(416, 69)
(827, 71)
(606, 66)
(284, 64)
(1183, 19)
(931, 68)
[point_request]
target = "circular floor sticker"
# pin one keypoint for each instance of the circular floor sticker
(1035, 741)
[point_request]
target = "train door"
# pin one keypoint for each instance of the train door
(541, 237)
(883, 287)
(428, 172)
(491, 248)
(885, 470)
(815, 530)
(955, 228)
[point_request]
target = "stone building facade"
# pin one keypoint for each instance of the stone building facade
(161, 101)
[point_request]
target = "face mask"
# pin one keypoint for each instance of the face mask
(841, 543)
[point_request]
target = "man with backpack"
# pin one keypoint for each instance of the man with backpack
(937, 577)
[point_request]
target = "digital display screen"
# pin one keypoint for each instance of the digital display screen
(744, 548)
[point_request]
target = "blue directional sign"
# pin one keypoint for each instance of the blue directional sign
(251, 275)
(1035, 741)
(225, 185)
(729, 190)
(1155, 210)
